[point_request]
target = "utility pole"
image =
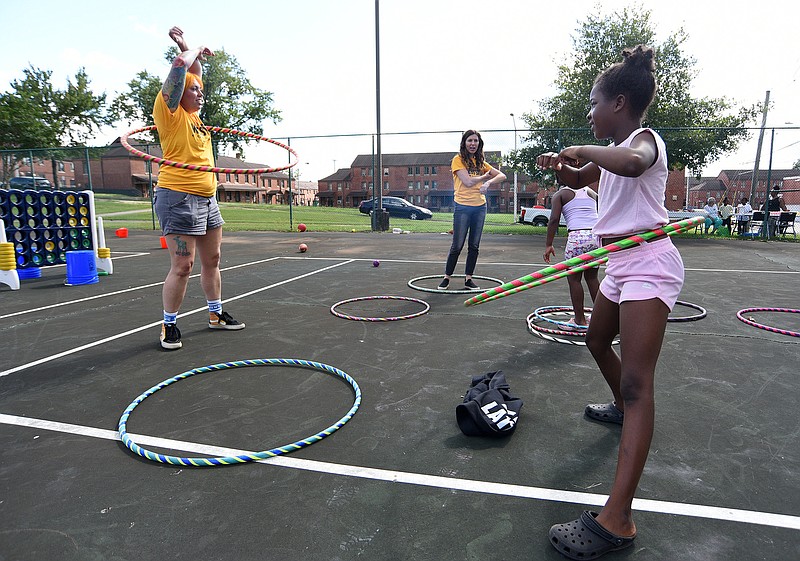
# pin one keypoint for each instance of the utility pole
(377, 175)
(754, 181)
(515, 166)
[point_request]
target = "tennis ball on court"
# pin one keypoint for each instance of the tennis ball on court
(353, 230)
(301, 227)
(376, 263)
(303, 248)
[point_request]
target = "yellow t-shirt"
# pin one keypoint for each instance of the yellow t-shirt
(184, 139)
(463, 195)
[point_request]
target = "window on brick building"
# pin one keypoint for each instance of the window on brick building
(433, 170)
(410, 170)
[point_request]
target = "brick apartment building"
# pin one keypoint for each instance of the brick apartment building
(425, 179)
(60, 173)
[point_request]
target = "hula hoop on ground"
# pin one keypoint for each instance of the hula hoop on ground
(553, 334)
(750, 321)
(529, 280)
(544, 311)
(228, 460)
(450, 291)
(427, 307)
(249, 171)
(702, 313)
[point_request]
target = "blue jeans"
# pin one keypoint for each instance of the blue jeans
(466, 219)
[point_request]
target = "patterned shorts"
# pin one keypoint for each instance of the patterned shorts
(580, 242)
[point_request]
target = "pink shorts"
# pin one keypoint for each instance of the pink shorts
(651, 270)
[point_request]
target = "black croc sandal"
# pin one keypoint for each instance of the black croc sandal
(585, 538)
(605, 412)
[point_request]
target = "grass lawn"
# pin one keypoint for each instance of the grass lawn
(136, 214)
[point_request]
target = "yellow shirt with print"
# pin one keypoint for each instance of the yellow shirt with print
(463, 195)
(184, 139)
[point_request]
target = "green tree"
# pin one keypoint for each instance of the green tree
(697, 131)
(34, 114)
(231, 101)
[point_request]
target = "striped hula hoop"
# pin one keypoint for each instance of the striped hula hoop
(749, 321)
(553, 334)
(551, 278)
(412, 284)
(211, 169)
(228, 460)
(427, 307)
(529, 280)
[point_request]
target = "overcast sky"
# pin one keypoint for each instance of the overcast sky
(445, 64)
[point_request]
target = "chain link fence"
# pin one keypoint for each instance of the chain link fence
(415, 167)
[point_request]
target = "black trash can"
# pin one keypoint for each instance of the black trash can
(381, 220)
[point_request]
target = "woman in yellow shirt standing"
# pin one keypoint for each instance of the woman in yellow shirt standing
(185, 200)
(472, 176)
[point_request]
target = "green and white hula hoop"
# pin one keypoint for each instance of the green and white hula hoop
(412, 284)
(228, 460)
(339, 314)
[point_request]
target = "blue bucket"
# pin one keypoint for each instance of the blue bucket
(81, 268)
(29, 273)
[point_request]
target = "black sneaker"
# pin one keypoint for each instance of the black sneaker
(444, 284)
(170, 336)
(471, 285)
(223, 321)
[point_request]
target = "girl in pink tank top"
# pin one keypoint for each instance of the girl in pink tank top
(639, 289)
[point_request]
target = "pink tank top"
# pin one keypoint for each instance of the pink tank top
(630, 205)
(581, 212)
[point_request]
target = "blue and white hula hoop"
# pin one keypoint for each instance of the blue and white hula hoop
(228, 460)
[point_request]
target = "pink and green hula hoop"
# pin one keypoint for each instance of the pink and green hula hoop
(251, 457)
(551, 278)
(211, 169)
(426, 308)
(749, 321)
(529, 281)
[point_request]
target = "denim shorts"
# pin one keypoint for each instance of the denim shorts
(184, 213)
(651, 270)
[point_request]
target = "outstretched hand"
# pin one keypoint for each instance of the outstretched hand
(552, 160)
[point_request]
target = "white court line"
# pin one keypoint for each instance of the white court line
(542, 265)
(157, 323)
(132, 289)
(142, 287)
(411, 478)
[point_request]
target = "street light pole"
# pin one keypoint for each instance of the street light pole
(515, 166)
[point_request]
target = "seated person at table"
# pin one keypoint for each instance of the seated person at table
(744, 212)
